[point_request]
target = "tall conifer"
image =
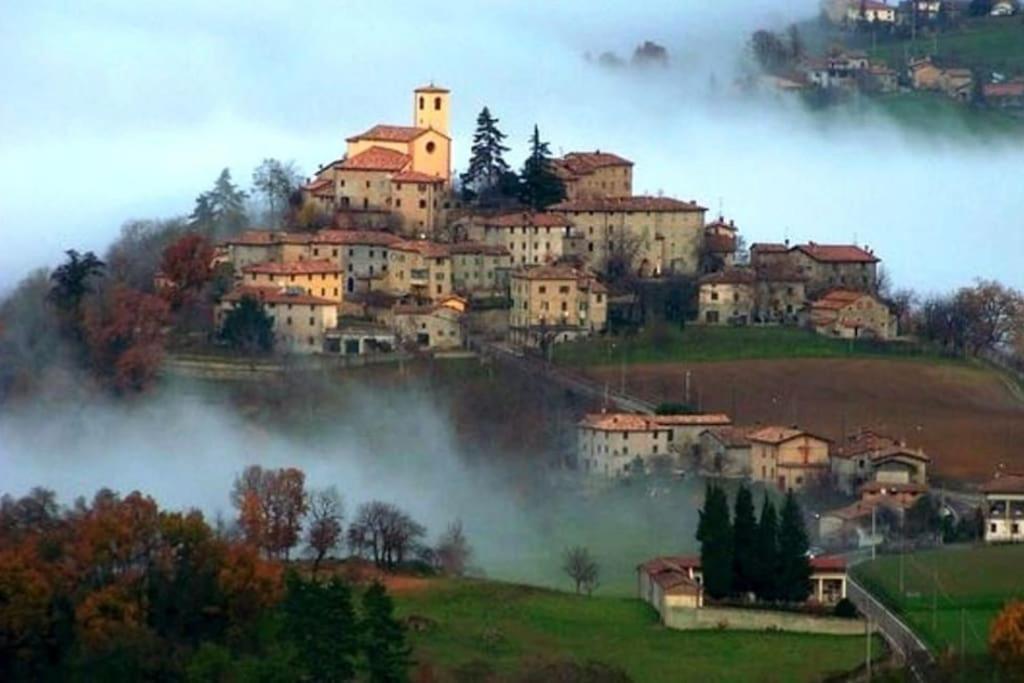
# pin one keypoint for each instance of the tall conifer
(744, 533)
(487, 170)
(794, 565)
(540, 186)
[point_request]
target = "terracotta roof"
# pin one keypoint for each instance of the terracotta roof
(1010, 89)
(674, 582)
(777, 435)
(822, 563)
(720, 244)
(432, 88)
(478, 248)
(255, 238)
(584, 163)
(549, 273)
(720, 223)
(387, 133)
(422, 309)
(373, 238)
(377, 159)
(836, 253)
(828, 563)
(863, 442)
(276, 295)
(729, 276)
(769, 247)
(532, 219)
(631, 422)
(415, 177)
(634, 203)
(424, 247)
(900, 451)
(1006, 483)
(733, 437)
(888, 488)
(851, 512)
(839, 298)
(294, 267)
(701, 419)
(318, 184)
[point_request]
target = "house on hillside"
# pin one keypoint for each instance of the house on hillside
(619, 444)
(300, 321)
(1004, 508)
(316, 277)
(420, 268)
(869, 456)
(849, 314)
(780, 294)
(594, 174)
(552, 304)
(531, 237)
(727, 297)
(720, 245)
(789, 458)
(480, 270)
(725, 451)
(871, 12)
(957, 83)
(1008, 95)
(924, 74)
(430, 326)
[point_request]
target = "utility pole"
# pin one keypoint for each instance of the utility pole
(874, 543)
(903, 537)
(935, 598)
(867, 640)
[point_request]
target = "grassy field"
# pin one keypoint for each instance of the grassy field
(986, 42)
(696, 343)
(499, 626)
(951, 594)
(941, 115)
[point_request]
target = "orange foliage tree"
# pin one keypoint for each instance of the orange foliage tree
(187, 267)
(1006, 637)
(126, 334)
(271, 505)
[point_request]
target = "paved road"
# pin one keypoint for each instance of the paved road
(901, 639)
(541, 369)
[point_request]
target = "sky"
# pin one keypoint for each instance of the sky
(129, 110)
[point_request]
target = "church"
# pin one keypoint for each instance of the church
(403, 171)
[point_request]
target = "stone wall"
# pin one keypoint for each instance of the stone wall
(759, 620)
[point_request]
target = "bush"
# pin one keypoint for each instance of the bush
(845, 609)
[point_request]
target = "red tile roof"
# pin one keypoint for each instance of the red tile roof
(276, 295)
(415, 177)
(584, 163)
(836, 253)
(769, 247)
(373, 238)
(423, 247)
(864, 442)
(838, 299)
(432, 88)
(898, 451)
(777, 435)
(318, 184)
(1010, 89)
(1006, 483)
(821, 563)
(730, 276)
(256, 238)
(891, 488)
(387, 133)
(294, 267)
(478, 248)
(523, 218)
(634, 203)
(377, 159)
(631, 422)
(733, 437)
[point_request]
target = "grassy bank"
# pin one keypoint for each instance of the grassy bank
(949, 596)
(498, 626)
(982, 42)
(697, 343)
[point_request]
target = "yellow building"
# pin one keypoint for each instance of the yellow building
(657, 235)
(362, 256)
(300, 321)
(259, 246)
(852, 315)
(789, 458)
(429, 326)
(727, 297)
(480, 269)
(594, 174)
(318, 278)
(555, 304)
(532, 238)
(420, 268)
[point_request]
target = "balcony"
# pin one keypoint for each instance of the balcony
(419, 276)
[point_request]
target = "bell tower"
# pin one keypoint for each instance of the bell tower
(430, 108)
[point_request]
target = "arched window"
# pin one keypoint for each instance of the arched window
(430, 148)
(437, 104)
(421, 102)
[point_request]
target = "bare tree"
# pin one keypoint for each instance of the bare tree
(453, 550)
(326, 512)
(384, 533)
(582, 568)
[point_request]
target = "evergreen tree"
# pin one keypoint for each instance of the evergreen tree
(540, 187)
(247, 327)
(716, 550)
(744, 537)
(487, 167)
(321, 622)
(221, 211)
(766, 553)
(794, 567)
(387, 655)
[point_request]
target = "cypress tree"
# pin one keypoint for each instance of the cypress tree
(716, 550)
(487, 168)
(744, 536)
(540, 186)
(794, 567)
(321, 622)
(766, 552)
(387, 655)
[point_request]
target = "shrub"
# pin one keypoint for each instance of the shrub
(845, 609)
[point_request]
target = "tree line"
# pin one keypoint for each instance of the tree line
(117, 589)
(743, 555)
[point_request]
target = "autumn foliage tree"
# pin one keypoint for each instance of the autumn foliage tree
(324, 531)
(1006, 639)
(187, 265)
(126, 333)
(271, 505)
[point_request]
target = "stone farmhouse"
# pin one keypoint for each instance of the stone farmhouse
(867, 456)
(826, 266)
(555, 303)
(788, 458)
(847, 314)
(725, 451)
(594, 174)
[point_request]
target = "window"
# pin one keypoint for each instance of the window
(422, 102)
(437, 104)
(542, 289)
(430, 147)
(312, 321)
(423, 203)
(564, 289)
(992, 527)
(714, 296)
(367, 184)
(398, 203)
(310, 341)
(289, 320)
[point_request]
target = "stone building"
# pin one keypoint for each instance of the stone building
(789, 458)
(553, 304)
(532, 238)
(300, 320)
(852, 315)
(594, 174)
(727, 297)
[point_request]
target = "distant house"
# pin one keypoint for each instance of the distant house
(552, 304)
(780, 293)
(1004, 509)
(880, 78)
(870, 11)
(434, 327)
(727, 297)
(828, 580)
(725, 451)
(924, 74)
(852, 315)
(664, 584)
(869, 456)
(1008, 95)
(891, 494)
(359, 337)
(787, 457)
(300, 321)
(957, 83)
(823, 266)
(618, 444)
(1003, 8)
(594, 174)
(720, 244)
(531, 238)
